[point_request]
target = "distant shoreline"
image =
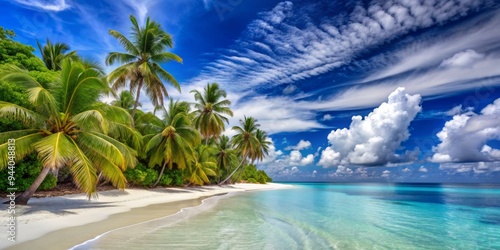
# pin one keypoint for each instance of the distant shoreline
(65, 221)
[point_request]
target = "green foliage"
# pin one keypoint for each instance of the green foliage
(145, 177)
(172, 177)
(6, 34)
(141, 175)
(25, 174)
(252, 175)
(12, 52)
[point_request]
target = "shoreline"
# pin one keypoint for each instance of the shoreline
(70, 220)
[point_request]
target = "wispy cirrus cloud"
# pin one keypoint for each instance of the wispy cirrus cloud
(54, 5)
(284, 45)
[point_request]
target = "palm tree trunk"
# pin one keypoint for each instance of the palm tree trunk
(136, 103)
(161, 173)
(239, 175)
(24, 197)
(227, 178)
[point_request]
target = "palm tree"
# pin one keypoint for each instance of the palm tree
(246, 142)
(210, 109)
(225, 155)
(67, 127)
(141, 62)
(125, 100)
(54, 54)
(203, 165)
(174, 139)
(261, 150)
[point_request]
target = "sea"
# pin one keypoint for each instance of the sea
(326, 216)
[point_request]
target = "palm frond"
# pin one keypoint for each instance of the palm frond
(18, 113)
(83, 171)
(55, 150)
(24, 140)
(127, 44)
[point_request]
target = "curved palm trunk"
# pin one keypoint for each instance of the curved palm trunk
(234, 171)
(160, 175)
(26, 195)
(136, 103)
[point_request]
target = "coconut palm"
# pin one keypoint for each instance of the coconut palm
(261, 150)
(246, 142)
(225, 155)
(141, 62)
(202, 165)
(210, 108)
(67, 127)
(174, 139)
(54, 54)
(125, 100)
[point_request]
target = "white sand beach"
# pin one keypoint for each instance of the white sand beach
(46, 215)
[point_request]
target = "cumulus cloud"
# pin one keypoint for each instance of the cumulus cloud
(465, 137)
(341, 171)
(296, 159)
(301, 145)
(422, 169)
(386, 174)
(463, 59)
(472, 167)
(373, 140)
(272, 153)
(406, 170)
(327, 117)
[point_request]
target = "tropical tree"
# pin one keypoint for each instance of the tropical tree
(225, 155)
(174, 140)
(261, 150)
(125, 100)
(210, 108)
(202, 165)
(141, 62)
(246, 142)
(54, 54)
(67, 127)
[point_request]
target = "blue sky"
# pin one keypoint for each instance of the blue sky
(398, 91)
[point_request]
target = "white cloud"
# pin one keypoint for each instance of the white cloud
(465, 137)
(406, 170)
(327, 117)
(272, 153)
(374, 139)
(296, 159)
(329, 158)
(54, 5)
(422, 169)
(458, 110)
(475, 167)
(290, 49)
(386, 174)
(301, 145)
(289, 89)
(462, 59)
(341, 171)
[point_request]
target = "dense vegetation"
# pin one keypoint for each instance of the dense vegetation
(51, 107)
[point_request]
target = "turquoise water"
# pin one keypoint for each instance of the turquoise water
(327, 216)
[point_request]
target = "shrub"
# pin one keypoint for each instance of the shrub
(252, 180)
(141, 175)
(25, 174)
(175, 175)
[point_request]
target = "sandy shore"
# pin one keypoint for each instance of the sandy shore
(66, 214)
